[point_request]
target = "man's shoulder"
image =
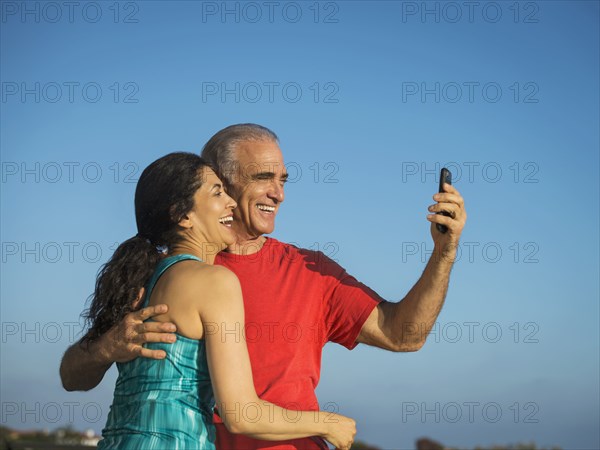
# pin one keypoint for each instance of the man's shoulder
(305, 256)
(276, 254)
(276, 245)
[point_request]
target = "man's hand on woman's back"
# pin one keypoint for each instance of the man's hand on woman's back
(83, 366)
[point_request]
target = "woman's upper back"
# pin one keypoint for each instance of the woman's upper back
(189, 288)
(186, 358)
(180, 382)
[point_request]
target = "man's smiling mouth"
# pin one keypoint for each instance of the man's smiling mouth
(266, 208)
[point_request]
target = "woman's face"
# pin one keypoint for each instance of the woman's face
(212, 215)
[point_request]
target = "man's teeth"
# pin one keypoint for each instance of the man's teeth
(266, 208)
(225, 220)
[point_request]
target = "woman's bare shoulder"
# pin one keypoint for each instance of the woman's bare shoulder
(203, 280)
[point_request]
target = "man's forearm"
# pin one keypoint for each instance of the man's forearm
(414, 316)
(404, 326)
(82, 368)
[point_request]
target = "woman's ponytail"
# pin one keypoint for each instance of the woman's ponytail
(164, 194)
(118, 284)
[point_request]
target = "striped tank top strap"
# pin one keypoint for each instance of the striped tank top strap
(161, 268)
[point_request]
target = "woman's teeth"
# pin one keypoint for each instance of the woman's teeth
(226, 220)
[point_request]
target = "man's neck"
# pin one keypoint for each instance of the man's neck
(247, 246)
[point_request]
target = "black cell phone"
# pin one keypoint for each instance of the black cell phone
(445, 177)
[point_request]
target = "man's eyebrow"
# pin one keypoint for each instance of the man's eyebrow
(263, 175)
(268, 176)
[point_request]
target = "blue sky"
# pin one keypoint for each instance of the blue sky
(369, 100)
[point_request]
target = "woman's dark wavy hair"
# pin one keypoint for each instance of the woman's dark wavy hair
(164, 194)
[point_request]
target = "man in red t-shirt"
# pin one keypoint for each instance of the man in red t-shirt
(295, 300)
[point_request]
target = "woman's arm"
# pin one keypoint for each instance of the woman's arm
(240, 408)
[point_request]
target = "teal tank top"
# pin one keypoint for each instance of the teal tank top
(163, 404)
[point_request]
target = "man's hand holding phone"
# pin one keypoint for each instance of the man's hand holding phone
(447, 216)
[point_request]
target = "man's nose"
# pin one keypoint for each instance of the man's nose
(276, 191)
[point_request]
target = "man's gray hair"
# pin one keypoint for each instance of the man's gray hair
(218, 151)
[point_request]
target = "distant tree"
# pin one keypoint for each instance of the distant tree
(518, 446)
(360, 445)
(3, 434)
(428, 444)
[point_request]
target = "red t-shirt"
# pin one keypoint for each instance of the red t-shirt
(295, 301)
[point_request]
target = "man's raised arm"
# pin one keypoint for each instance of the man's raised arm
(84, 364)
(404, 326)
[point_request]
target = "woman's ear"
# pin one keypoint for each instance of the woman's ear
(185, 222)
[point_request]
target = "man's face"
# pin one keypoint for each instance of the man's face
(257, 187)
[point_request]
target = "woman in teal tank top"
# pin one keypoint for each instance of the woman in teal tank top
(166, 403)
(184, 217)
